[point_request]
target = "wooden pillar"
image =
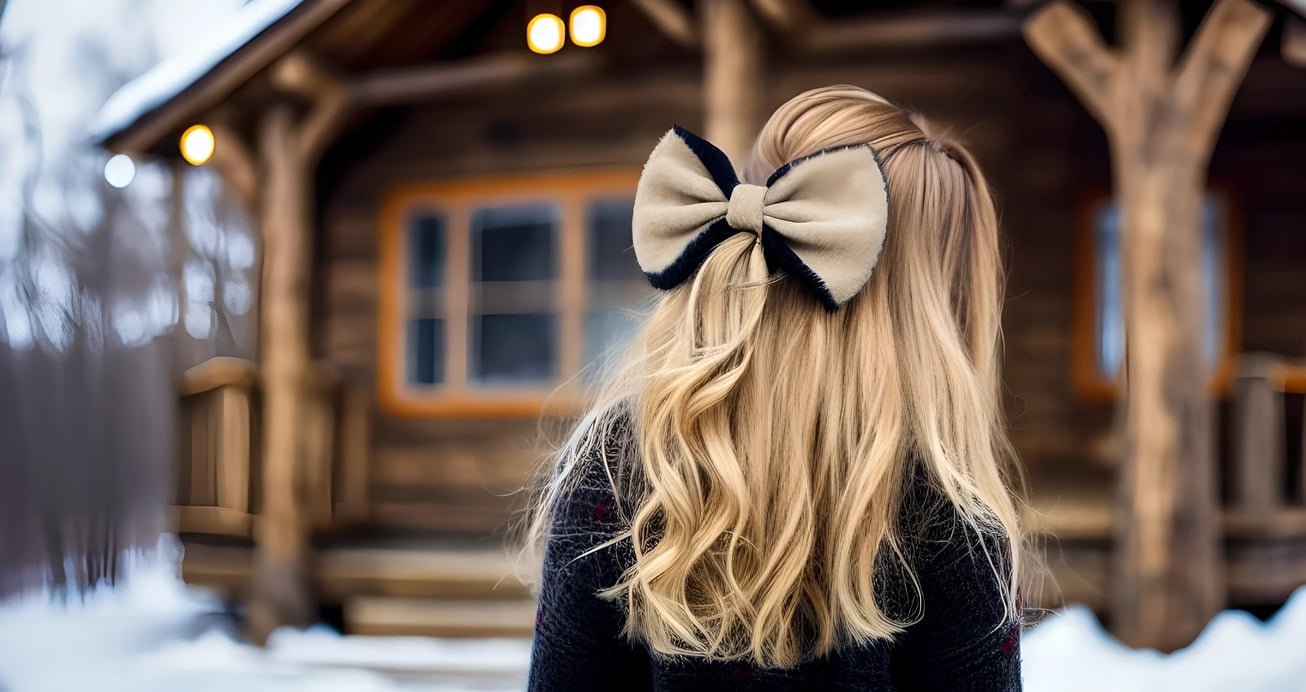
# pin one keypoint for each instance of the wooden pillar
(280, 592)
(1162, 122)
(732, 77)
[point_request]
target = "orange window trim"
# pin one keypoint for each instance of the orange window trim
(1087, 380)
(456, 399)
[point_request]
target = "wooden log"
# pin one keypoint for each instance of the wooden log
(301, 74)
(907, 31)
(1064, 37)
(671, 18)
(231, 447)
(235, 164)
(1293, 46)
(1258, 436)
(418, 84)
(789, 17)
(218, 372)
(1161, 127)
(280, 593)
(732, 77)
(352, 499)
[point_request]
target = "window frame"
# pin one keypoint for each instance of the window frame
(458, 397)
(1087, 379)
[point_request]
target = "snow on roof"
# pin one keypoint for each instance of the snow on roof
(172, 76)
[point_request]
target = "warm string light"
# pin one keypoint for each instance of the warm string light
(197, 144)
(546, 33)
(589, 26)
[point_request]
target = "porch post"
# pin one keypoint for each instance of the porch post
(1162, 123)
(732, 77)
(280, 593)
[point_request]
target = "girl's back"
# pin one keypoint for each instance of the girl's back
(793, 479)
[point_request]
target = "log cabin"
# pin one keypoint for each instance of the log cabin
(444, 219)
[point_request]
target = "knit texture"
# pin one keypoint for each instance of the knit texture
(958, 645)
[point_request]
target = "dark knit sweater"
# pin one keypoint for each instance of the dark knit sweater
(957, 645)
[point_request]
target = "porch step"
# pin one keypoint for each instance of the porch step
(414, 571)
(381, 615)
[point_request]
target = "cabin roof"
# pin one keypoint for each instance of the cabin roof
(351, 36)
(172, 78)
(220, 72)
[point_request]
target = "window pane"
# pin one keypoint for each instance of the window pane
(607, 332)
(1213, 278)
(514, 349)
(1110, 306)
(611, 256)
(1110, 275)
(426, 251)
(514, 243)
(425, 351)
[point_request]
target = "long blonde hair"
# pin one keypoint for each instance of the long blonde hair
(768, 442)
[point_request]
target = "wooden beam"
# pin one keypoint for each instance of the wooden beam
(224, 79)
(235, 164)
(1293, 44)
(1064, 37)
(790, 17)
(1161, 128)
(418, 84)
(732, 77)
(908, 31)
(1216, 63)
(220, 371)
(281, 592)
(300, 74)
(1258, 432)
(672, 19)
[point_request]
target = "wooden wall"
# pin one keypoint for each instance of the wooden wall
(1039, 149)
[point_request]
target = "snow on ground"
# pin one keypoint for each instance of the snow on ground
(154, 635)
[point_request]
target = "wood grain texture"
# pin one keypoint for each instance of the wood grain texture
(1161, 127)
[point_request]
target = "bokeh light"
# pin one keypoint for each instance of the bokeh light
(119, 171)
(545, 33)
(197, 144)
(589, 25)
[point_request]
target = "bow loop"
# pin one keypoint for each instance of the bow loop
(822, 218)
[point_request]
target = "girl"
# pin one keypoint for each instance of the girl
(794, 480)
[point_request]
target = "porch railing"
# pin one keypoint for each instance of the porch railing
(1262, 482)
(218, 471)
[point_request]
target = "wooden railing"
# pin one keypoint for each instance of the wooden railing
(1260, 433)
(218, 473)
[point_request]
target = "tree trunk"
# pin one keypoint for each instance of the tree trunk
(281, 594)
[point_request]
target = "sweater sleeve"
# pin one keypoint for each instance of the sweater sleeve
(578, 641)
(963, 641)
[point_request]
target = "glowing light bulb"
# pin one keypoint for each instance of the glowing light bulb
(545, 33)
(589, 25)
(197, 144)
(119, 171)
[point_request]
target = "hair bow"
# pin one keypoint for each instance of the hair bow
(821, 218)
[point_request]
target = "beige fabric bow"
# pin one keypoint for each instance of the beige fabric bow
(821, 218)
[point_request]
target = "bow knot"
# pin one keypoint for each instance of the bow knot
(744, 210)
(820, 218)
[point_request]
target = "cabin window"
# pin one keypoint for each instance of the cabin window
(1100, 339)
(497, 293)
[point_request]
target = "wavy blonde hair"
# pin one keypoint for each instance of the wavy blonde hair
(768, 442)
